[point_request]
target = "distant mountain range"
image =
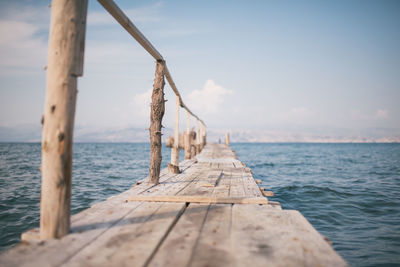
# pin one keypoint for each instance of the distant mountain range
(32, 133)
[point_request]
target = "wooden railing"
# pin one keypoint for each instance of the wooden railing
(65, 65)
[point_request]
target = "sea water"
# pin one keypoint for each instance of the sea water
(349, 192)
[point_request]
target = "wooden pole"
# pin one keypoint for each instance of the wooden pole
(187, 138)
(227, 139)
(203, 136)
(65, 64)
(156, 115)
(198, 139)
(173, 167)
(192, 144)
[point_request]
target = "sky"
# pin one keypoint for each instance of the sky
(324, 67)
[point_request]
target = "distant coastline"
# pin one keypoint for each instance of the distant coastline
(132, 134)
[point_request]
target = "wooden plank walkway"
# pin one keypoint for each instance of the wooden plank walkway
(120, 232)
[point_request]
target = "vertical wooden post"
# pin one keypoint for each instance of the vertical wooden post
(187, 138)
(198, 139)
(203, 136)
(200, 136)
(156, 115)
(173, 167)
(192, 144)
(65, 64)
(227, 139)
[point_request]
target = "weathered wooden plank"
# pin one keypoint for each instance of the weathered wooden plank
(200, 199)
(204, 184)
(55, 252)
(182, 238)
(185, 234)
(213, 246)
(88, 225)
(223, 186)
(132, 241)
(141, 187)
(152, 240)
(249, 185)
(263, 236)
(237, 188)
(173, 186)
(170, 187)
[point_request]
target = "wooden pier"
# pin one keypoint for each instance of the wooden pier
(205, 211)
(195, 218)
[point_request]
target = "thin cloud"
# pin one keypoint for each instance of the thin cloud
(209, 98)
(19, 47)
(381, 114)
(23, 45)
(141, 103)
(300, 110)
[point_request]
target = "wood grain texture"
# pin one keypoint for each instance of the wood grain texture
(156, 115)
(187, 139)
(213, 245)
(193, 144)
(65, 64)
(200, 199)
(175, 147)
(182, 238)
(227, 139)
(264, 236)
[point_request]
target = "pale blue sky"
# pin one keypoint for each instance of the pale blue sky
(238, 64)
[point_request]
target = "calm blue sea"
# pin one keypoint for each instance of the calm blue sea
(349, 192)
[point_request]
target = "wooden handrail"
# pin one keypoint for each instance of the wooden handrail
(128, 25)
(65, 65)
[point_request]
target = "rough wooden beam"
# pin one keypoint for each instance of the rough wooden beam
(203, 136)
(187, 138)
(192, 144)
(187, 145)
(267, 193)
(156, 115)
(200, 199)
(173, 167)
(65, 64)
(198, 148)
(227, 139)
